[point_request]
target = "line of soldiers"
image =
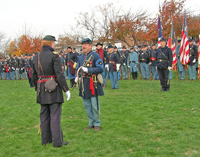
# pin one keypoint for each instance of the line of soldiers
(117, 64)
(16, 68)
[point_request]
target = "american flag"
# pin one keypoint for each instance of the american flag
(171, 44)
(199, 57)
(159, 28)
(184, 51)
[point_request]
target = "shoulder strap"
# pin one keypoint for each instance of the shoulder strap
(39, 65)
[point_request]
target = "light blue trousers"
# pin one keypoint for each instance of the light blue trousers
(145, 70)
(114, 79)
(192, 71)
(90, 106)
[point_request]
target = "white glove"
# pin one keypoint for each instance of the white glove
(194, 61)
(169, 68)
(85, 70)
(124, 64)
(129, 67)
(107, 67)
(117, 67)
(68, 95)
(76, 80)
(150, 63)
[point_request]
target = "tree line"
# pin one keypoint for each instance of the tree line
(111, 23)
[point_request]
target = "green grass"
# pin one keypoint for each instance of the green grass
(136, 121)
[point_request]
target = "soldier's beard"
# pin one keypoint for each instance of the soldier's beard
(84, 51)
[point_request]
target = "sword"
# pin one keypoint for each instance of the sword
(153, 79)
(95, 85)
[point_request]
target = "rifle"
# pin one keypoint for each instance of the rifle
(176, 73)
(151, 72)
(140, 73)
(153, 78)
(129, 77)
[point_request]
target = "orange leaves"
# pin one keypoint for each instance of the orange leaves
(24, 45)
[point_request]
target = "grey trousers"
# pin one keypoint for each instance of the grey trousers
(50, 116)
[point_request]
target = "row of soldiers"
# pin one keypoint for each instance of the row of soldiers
(12, 68)
(117, 64)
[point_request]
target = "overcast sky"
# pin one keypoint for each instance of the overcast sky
(56, 16)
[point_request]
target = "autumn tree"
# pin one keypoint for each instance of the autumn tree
(64, 41)
(130, 26)
(13, 48)
(25, 44)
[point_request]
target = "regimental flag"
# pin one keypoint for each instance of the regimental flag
(199, 57)
(159, 28)
(171, 44)
(184, 51)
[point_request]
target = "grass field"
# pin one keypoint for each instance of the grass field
(136, 121)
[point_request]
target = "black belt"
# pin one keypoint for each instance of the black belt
(132, 61)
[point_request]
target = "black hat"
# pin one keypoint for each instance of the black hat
(190, 39)
(124, 47)
(162, 39)
(115, 47)
(61, 51)
(139, 46)
(99, 43)
(110, 46)
(74, 48)
(132, 48)
(86, 40)
(49, 38)
(153, 44)
(69, 47)
(179, 40)
(144, 45)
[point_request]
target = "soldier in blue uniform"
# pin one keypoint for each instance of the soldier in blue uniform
(12, 68)
(71, 62)
(164, 64)
(21, 67)
(7, 68)
(197, 46)
(1, 69)
(193, 59)
(119, 71)
(28, 67)
(124, 68)
(90, 89)
(180, 66)
(103, 55)
(114, 64)
(132, 62)
(144, 62)
(153, 55)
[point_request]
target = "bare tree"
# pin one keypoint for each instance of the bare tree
(87, 22)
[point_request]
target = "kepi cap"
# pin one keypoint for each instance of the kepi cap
(162, 39)
(110, 46)
(86, 40)
(99, 43)
(49, 38)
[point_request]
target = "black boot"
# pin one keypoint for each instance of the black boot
(135, 75)
(73, 82)
(71, 85)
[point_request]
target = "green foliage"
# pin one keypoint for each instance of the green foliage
(136, 121)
